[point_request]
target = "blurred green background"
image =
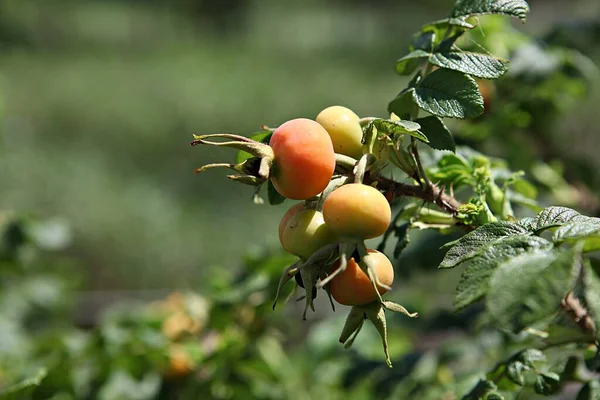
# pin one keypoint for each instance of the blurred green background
(101, 99)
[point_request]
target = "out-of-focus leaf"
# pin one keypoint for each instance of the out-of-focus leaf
(547, 384)
(23, 389)
(121, 385)
(590, 391)
(484, 390)
(530, 287)
(591, 283)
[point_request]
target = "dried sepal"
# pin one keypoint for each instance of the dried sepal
(261, 151)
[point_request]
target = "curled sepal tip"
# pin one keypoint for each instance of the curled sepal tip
(390, 305)
(262, 152)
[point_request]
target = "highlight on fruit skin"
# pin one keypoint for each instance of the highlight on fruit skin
(304, 159)
(344, 128)
(352, 287)
(357, 211)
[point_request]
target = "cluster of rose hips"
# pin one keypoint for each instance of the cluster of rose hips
(322, 163)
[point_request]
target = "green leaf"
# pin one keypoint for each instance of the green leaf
(439, 136)
(447, 27)
(404, 106)
(589, 391)
(547, 384)
(583, 229)
(23, 389)
(544, 278)
(392, 127)
(447, 93)
(484, 389)
(424, 41)
(514, 8)
(263, 137)
(515, 372)
(472, 244)
(273, 195)
(476, 64)
(407, 64)
(475, 279)
(591, 284)
(401, 233)
(551, 217)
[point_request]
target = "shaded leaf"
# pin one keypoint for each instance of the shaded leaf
(401, 233)
(472, 243)
(484, 390)
(545, 278)
(477, 64)
(514, 8)
(439, 136)
(441, 27)
(589, 391)
(273, 195)
(424, 41)
(474, 281)
(547, 384)
(407, 64)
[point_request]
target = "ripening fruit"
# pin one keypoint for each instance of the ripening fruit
(304, 159)
(305, 233)
(352, 286)
(357, 211)
(343, 126)
(286, 217)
